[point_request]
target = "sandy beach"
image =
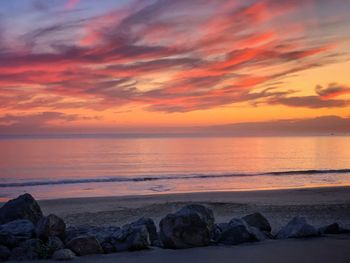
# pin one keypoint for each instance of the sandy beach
(319, 205)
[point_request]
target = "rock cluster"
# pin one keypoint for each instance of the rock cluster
(26, 234)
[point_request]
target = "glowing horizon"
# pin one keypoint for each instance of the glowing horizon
(145, 65)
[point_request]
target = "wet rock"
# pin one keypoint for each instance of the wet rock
(64, 254)
(12, 233)
(131, 237)
(192, 226)
(334, 228)
(259, 221)
(23, 207)
(4, 253)
(50, 225)
(296, 228)
(85, 245)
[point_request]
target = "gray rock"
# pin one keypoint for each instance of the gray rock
(4, 253)
(63, 254)
(296, 228)
(54, 243)
(131, 237)
(334, 228)
(192, 226)
(85, 245)
(31, 249)
(259, 221)
(151, 228)
(23, 207)
(50, 225)
(236, 232)
(12, 233)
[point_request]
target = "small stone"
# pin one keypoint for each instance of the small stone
(63, 254)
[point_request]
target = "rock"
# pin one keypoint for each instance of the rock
(8, 240)
(151, 228)
(259, 221)
(192, 226)
(236, 232)
(297, 227)
(16, 231)
(50, 225)
(108, 248)
(4, 253)
(334, 228)
(85, 245)
(75, 231)
(131, 237)
(102, 234)
(63, 254)
(54, 243)
(31, 249)
(23, 207)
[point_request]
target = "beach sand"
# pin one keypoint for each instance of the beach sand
(333, 249)
(320, 205)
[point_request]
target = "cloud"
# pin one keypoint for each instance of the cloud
(165, 55)
(324, 98)
(71, 4)
(36, 122)
(325, 125)
(333, 90)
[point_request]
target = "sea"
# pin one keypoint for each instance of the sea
(51, 167)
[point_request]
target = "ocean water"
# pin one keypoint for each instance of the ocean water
(81, 166)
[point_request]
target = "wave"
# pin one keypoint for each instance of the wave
(167, 177)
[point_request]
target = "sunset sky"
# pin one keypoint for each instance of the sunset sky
(154, 65)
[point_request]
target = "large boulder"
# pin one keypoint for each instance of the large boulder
(131, 237)
(192, 226)
(63, 254)
(150, 226)
(296, 228)
(32, 249)
(23, 207)
(4, 253)
(259, 221)
(50, 225)
(85, 245)
(237, 231)
(16, 231)
(334, 228)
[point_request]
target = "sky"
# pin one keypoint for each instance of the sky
(174, 66)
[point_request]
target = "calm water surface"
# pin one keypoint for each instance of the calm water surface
(76, 167)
